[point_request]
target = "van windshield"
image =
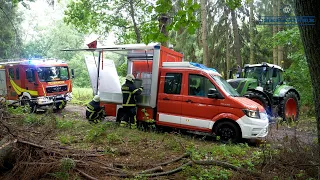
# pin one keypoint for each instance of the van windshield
(47, 74)
(226, 86)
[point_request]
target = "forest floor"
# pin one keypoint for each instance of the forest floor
(64, 145)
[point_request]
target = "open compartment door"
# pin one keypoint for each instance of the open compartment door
(105, 80)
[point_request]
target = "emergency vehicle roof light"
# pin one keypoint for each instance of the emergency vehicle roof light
(202, 66)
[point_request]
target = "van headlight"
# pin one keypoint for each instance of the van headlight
(251, 113)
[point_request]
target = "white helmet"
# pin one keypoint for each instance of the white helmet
(96, 98)
(130, 77)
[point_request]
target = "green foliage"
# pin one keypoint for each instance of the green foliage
(81, 96)
(65, 124)
(183, 18)
(297, 75)
(97, 131)
(34, 120)
(10, 34)
(233, 4)
(80, 70)
(114, 138)
(66, 139)
(50, 41)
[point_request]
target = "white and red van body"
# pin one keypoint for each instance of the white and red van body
(167, 97)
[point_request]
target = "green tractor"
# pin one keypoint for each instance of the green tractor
(264, 84)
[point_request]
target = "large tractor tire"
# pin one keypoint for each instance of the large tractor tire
(289, 107)
(258, 98)
(227, 131)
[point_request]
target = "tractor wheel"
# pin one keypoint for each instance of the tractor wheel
(289, 106)
(258, 98)
(227, 131)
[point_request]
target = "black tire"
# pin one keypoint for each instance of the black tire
(289, 99)
(58, 105)
(26, 101)
(228, 131)
(260, 99)
(257, 97)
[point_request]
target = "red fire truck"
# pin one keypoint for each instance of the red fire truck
(41, 83)
(179, 94)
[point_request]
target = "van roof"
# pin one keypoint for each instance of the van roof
(191, 65)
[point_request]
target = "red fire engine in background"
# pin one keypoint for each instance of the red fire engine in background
(41, 83)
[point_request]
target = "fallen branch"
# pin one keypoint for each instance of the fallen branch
(107, 167)
(225, 165)
(178, 169)
(155, 169)
(86, 175)
(174, 160)
(152, 165)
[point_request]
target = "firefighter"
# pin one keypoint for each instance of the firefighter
(94, 112)
(129, 93)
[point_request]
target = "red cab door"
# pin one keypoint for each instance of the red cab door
(197, 109)
(170, 98)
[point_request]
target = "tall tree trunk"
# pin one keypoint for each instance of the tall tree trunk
(274, 32)
(204, 31)
(280, 28)
(227, 44)
(251, 33)
(310, 36)
(135, 26)
(236, 38)
(163, 22)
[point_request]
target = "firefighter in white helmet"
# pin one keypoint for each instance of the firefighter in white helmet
(95, 112)
(129, 91)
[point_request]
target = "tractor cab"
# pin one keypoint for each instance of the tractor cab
(268, 76)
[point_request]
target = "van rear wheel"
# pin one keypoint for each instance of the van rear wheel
(227, 131)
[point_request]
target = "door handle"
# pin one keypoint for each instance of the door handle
(166, 98)
(189, 101)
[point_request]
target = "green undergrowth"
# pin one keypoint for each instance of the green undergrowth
(81, 96)
(134, 146)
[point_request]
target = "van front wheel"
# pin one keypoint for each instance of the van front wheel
(227, 131)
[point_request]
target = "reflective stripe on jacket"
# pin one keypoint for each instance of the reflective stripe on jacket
(93, 110)
(129, 91)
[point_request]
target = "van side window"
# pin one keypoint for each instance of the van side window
(11, 73)
(30, 75)
(199, 85)
(17, 74)
(172, 83)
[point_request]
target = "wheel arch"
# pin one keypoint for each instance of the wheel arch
(284, 89)
(226, 120)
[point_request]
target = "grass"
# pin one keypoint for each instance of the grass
(81, 96)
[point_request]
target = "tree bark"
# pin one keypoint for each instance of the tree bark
(310, 36)
(227, 44)
(135, 25)
(163, 22)
(236, 38)
(280, 28)
(251, 33)
(204, 31)
(274, 32)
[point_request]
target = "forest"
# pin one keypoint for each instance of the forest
(220, 34)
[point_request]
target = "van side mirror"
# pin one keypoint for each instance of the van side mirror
(72, 73)
(214, 94)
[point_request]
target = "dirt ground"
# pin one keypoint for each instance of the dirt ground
(305, 131)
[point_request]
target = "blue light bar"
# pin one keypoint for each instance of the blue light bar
(203, 67)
